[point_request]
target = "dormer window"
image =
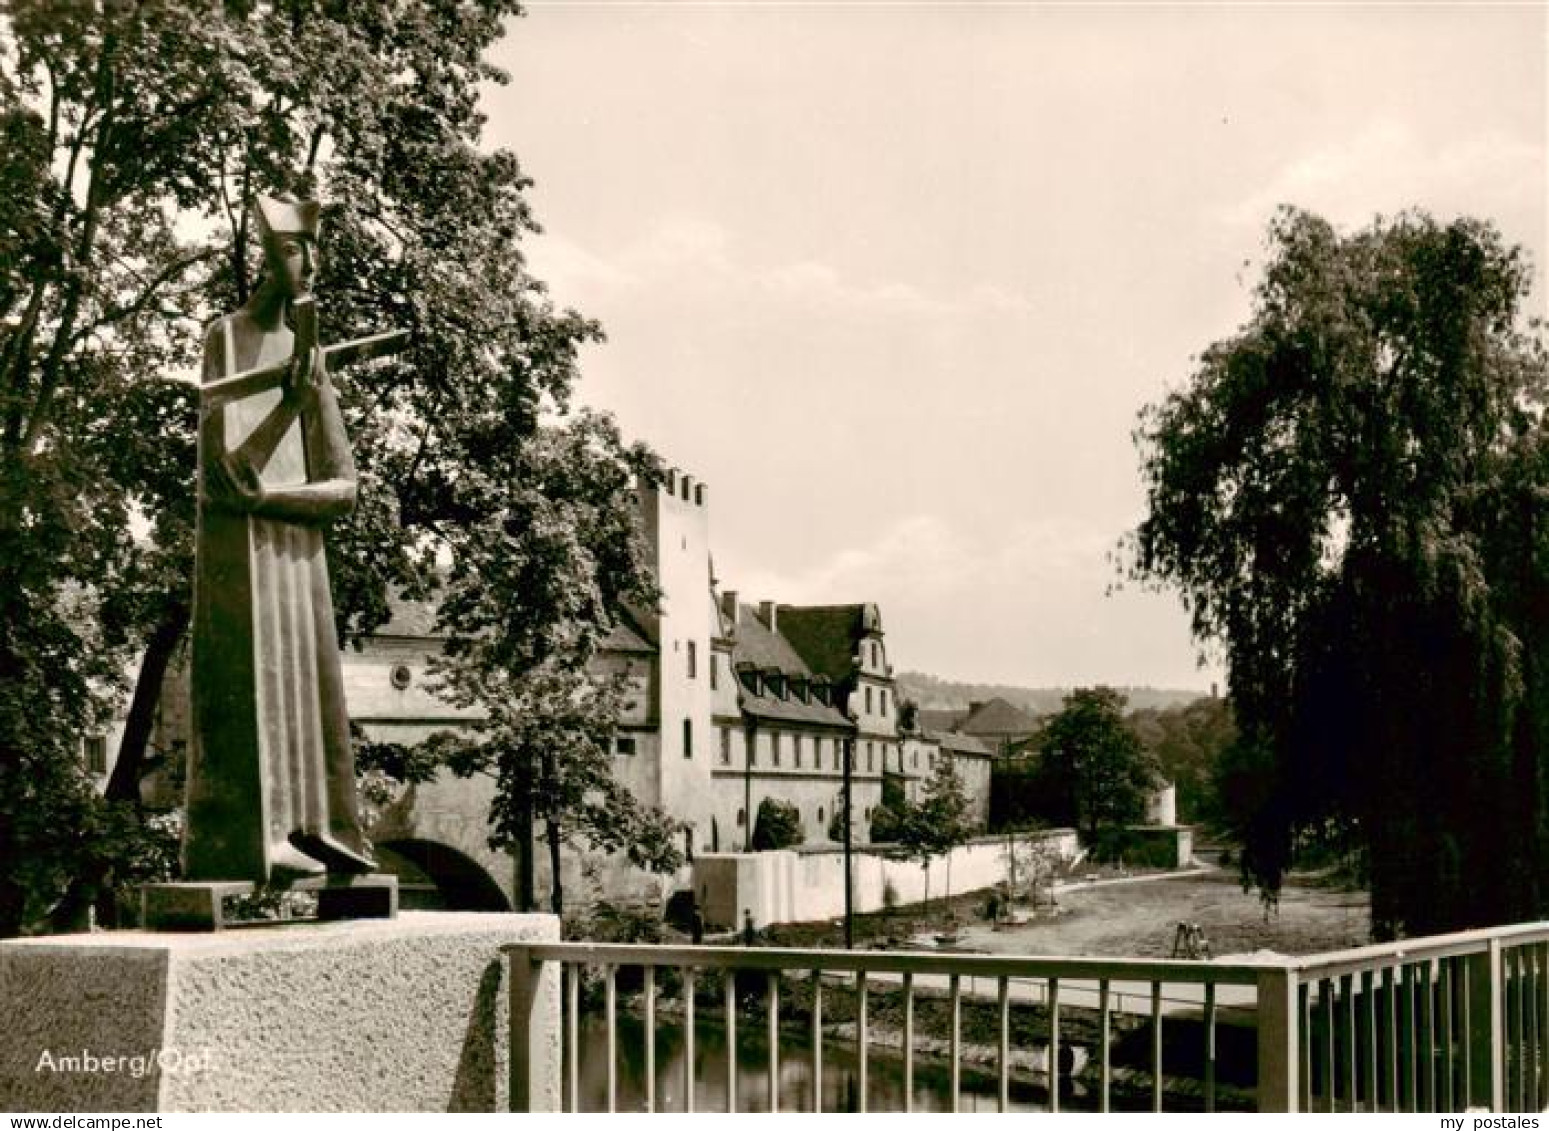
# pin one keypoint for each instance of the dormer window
(799, 688)
(820, 690)
(774, 682)
(748, 674)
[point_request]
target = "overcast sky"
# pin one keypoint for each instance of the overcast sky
(895, 280)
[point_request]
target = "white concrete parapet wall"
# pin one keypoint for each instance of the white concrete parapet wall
(801, 885)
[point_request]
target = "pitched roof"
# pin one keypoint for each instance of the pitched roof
(998, 719)
(753, 643)
(793, 710)
(962, 744)
(937, 719)
(826, 635)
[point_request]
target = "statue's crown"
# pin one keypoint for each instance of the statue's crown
(289, 216)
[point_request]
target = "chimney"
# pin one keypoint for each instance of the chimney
(768, 613)
(729, 606)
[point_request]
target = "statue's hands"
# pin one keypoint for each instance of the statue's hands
(235, 484)
(306, 373)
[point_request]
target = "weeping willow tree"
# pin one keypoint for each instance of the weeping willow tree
(1347, 495)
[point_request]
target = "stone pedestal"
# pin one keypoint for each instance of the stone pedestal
(408, 1014)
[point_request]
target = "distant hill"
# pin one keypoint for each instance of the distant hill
(932, 692)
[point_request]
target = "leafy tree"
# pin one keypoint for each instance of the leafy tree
(547, 742)
(133, 135)
(1346, 496)
(1187, 743)
(938, 822)
(778, 825)
(1093, 765)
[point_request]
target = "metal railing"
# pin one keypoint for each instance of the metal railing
(1440, 1024)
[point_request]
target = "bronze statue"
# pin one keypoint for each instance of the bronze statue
(271, 776)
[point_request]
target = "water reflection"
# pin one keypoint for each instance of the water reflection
(840, 1083)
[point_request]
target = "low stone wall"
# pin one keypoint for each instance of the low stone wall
(409, 1014)
(800, 885)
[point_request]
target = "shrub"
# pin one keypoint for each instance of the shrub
(778, 826)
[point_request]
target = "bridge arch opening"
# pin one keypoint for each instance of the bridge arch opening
(434, 877)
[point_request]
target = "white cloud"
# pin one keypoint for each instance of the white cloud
(1386, 167)
(690, 253)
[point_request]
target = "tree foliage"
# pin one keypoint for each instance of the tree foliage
(938, 822)
(1188, 744)
(778, 825)
(1346, 495)
(131, 138)
(1096, 771)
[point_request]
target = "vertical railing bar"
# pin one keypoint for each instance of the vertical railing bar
(1304, 1044)
(1530, 1024)
(1156, 1046)
(1369, 1045)
(908, 1041)
(772, 988)
(1390, 986)
(1347, 994)
(1406, 1039)
(610, 1016)
(1326, 1008)
(731, 1041)
(1509, 1002)
(1003, 1052)
(1427, 1037)
(1210, 1049)
(1466, 1031)
(648, 974)
(1447, 1099)
(573, 1033)
(955, 1046)
(1514, 1044)
(1105, 1073)
(861, 1037)
(817, 1040)
(690, 979)
(1054, 1045)
(1542, 1007)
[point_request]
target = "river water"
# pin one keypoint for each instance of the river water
(841, 1081)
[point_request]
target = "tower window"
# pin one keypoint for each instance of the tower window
(95, 748)
(624, 746)
(726, 746)
(688, 738)
(693, 659)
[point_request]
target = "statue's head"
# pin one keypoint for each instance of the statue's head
(288, 230)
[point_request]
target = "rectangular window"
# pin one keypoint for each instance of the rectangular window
(870, 749)
(725, 744)
(96, 752)
(693, 660)
(797, 743)
(868, 700)
(715, 672)
(624, 746)
(774, 740)
(688, 738)
(884, 704)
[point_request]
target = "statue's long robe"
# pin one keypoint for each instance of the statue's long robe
(270, 755)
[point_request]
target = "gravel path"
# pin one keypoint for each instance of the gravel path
(1140, 918)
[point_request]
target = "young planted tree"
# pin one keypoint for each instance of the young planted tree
(131, 138)
(1094, 764)
(1347, 495)
(938, 822)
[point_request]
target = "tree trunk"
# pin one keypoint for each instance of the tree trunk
(556, 889)
(160, 647)
(526, 849)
